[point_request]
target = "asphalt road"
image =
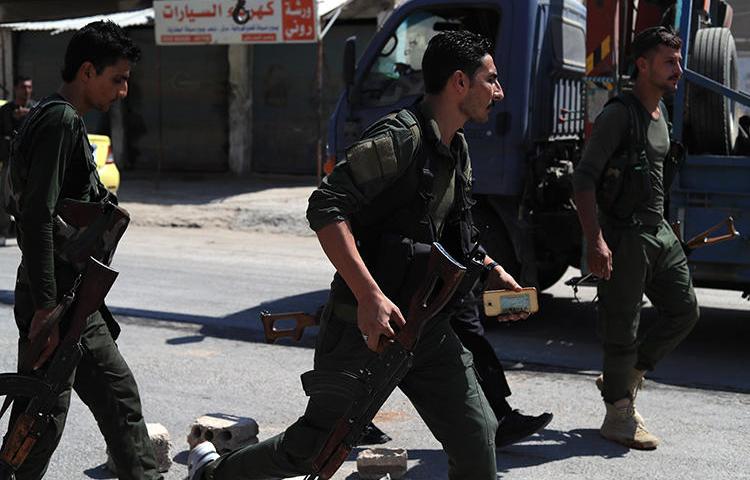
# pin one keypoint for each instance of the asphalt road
(189, 300)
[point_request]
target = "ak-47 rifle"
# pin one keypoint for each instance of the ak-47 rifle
(95, 283)
(704, 239)
(301, 320)
(372, 386)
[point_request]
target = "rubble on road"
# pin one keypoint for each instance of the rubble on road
(226, 432)
(379, 463)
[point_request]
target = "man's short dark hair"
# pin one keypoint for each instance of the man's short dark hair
(451, 51)
(649, 39)
(19, 79)
(102, 43)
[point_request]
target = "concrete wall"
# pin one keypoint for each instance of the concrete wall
(210, 108)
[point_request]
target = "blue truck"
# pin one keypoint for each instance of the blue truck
(523, 158)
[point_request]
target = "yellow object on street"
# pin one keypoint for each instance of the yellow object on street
(105, 162)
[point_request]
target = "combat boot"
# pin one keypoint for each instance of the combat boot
(621, 426)
(635, 383)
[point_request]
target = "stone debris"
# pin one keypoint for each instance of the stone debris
(162, 444)
(379, 463)
(226, 432)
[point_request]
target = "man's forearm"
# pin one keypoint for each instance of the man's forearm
(340, 248)
(38, 256)
(586, 206)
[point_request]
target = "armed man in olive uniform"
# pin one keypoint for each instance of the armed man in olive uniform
(626, 170)
(11, 116)
(405, 183)
(51, 161)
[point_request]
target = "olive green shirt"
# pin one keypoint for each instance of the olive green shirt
(374, 163)
(61, 165)
(608, 136)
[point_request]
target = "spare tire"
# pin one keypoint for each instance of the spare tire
(712, 121)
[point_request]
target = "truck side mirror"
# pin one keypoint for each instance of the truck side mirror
(349, 60)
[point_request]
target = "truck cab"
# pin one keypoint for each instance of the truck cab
(523, 156)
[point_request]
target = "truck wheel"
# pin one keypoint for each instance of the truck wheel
(711, 117)
(495, 237)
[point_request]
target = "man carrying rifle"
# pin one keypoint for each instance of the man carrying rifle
(626, 170)
(52, 163)
(11, 116)
(404, 185)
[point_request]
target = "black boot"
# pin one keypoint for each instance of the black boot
(516, 426)
(374, 436)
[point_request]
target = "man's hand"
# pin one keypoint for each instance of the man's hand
(499, 279)
(20, 112)
(599, 257)
(41, 316)
(374, 314)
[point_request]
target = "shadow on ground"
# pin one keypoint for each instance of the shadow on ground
(561, 337)
(197, 189)
(549, 446)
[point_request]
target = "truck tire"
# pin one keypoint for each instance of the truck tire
(712, 122)
(495, 237)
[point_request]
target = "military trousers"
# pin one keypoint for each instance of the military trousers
(442, 385)
(467, 324)
(650, 261)
(104, 382)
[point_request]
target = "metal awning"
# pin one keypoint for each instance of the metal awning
(327, 6)
(128, 19)
(123, 19)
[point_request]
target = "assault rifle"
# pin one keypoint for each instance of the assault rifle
(704, 239)
(91, 289)
(371, 387)
(301, 320)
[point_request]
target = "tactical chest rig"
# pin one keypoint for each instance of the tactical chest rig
(395, 233)
(625, 185)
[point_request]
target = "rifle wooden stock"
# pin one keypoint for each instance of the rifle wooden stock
(36, 344)
(443, 276)
(88, 229)
(301, 321)
(96, 282)
(19, 443)
(704, 239)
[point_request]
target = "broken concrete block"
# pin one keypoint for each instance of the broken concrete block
(376, 463)
(160, 440)
(226, 432)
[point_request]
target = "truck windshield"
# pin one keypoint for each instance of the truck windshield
(397, 70)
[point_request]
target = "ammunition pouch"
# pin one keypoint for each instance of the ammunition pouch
(399, 267)
(88, 229)
(672, 163)
(625, 185)
(345, 385)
